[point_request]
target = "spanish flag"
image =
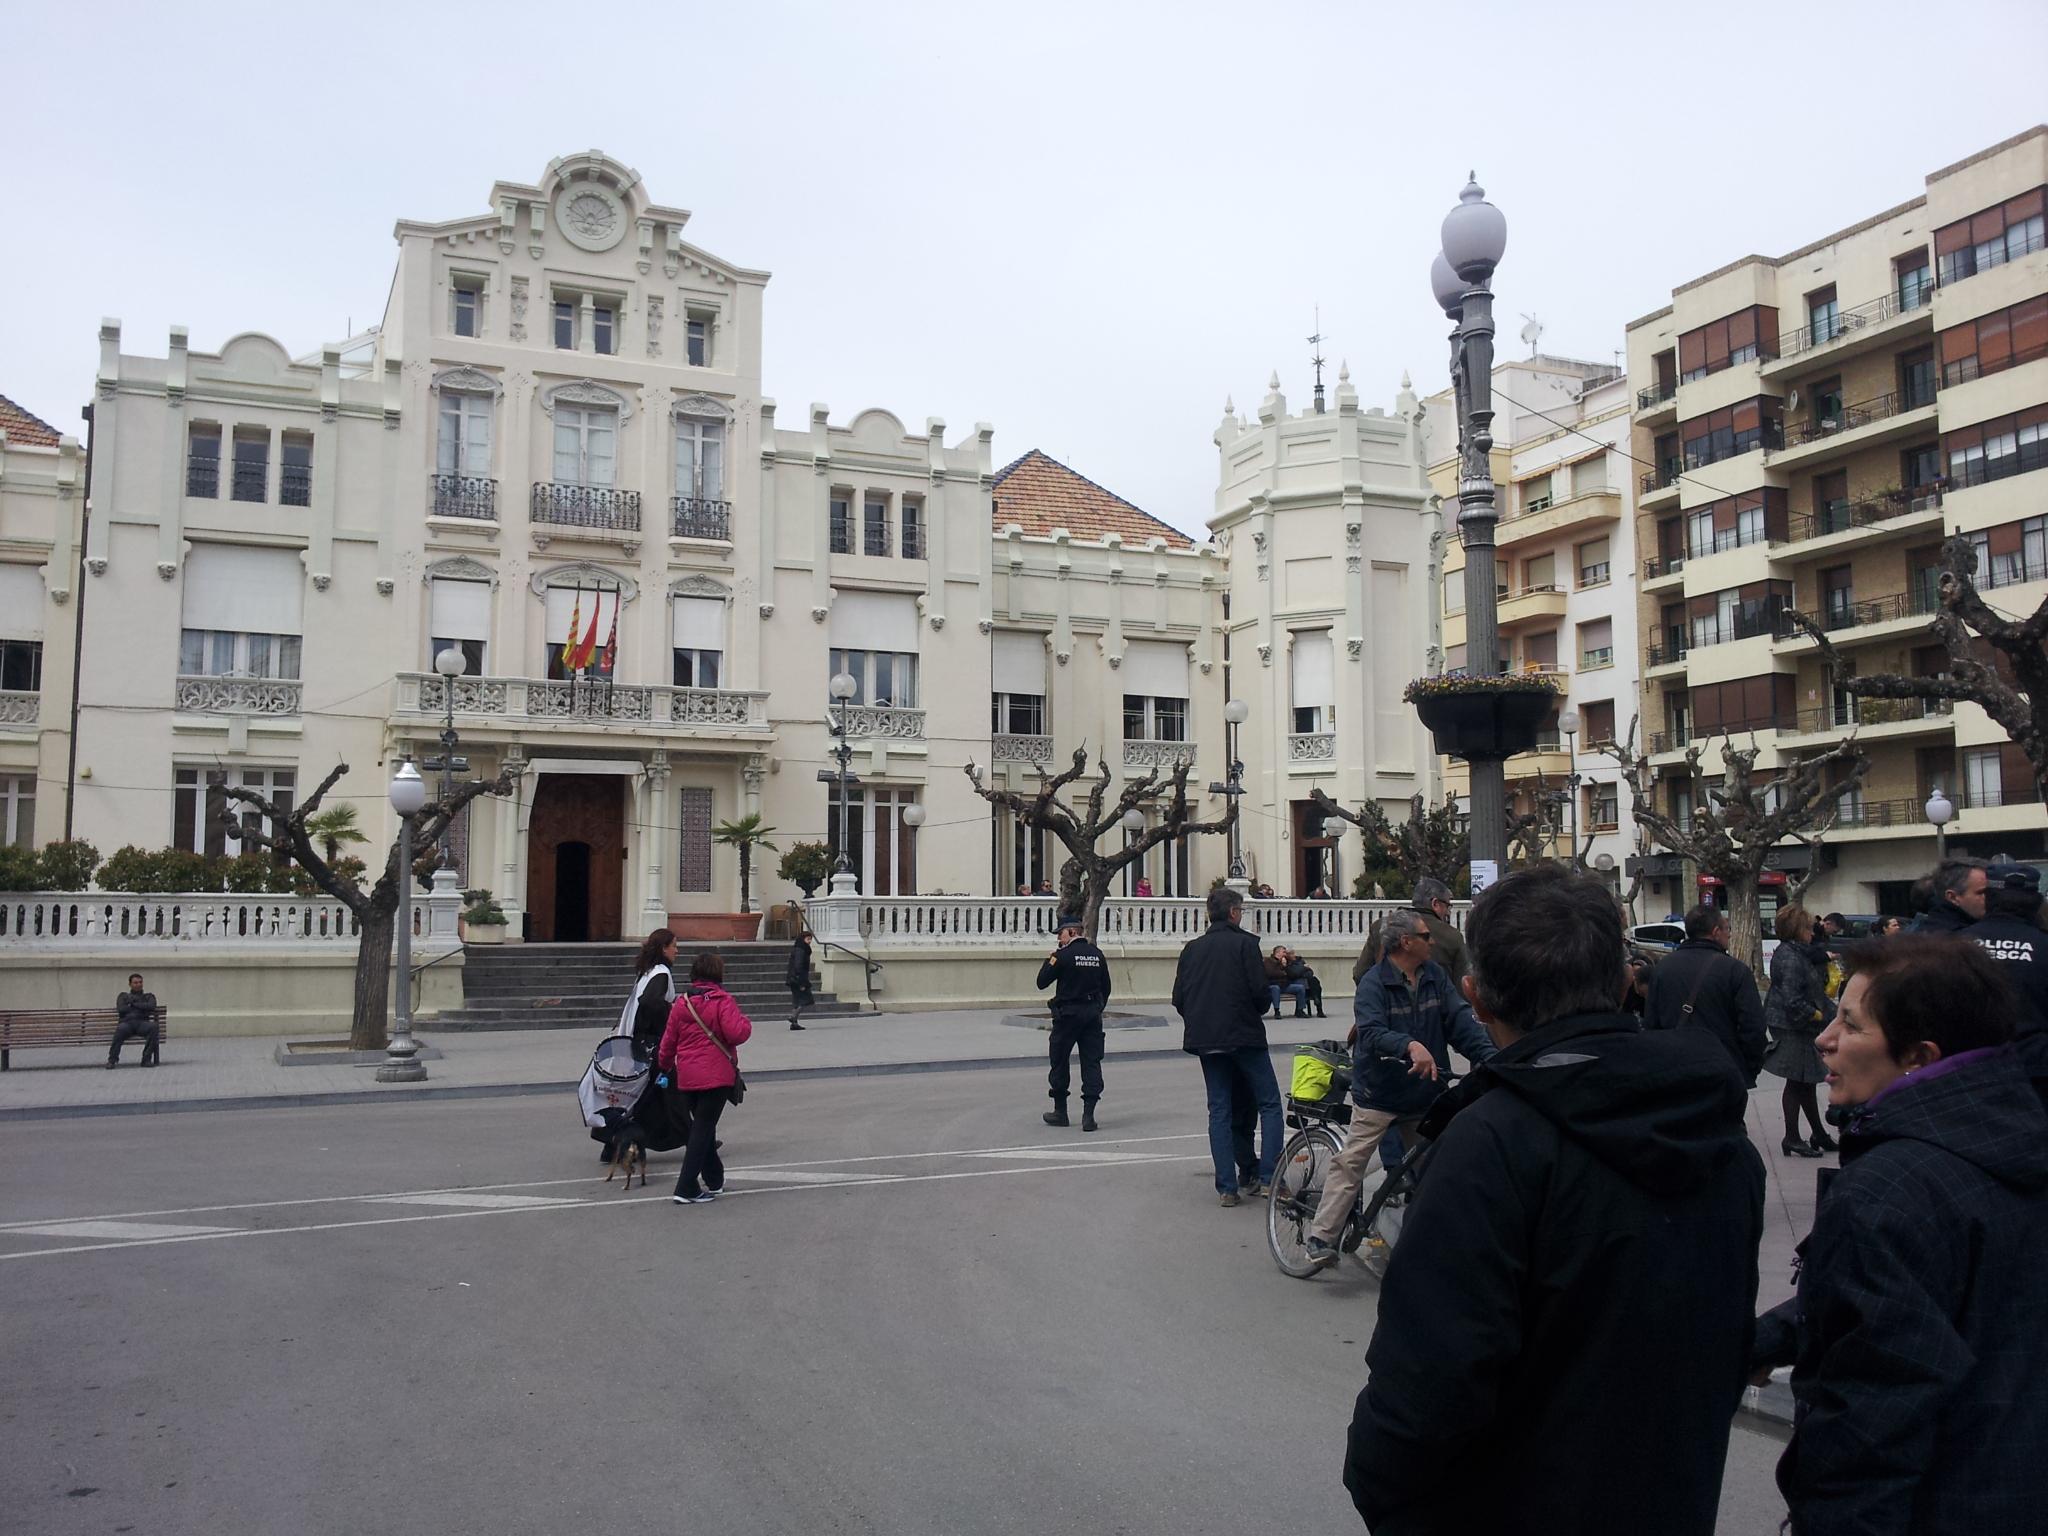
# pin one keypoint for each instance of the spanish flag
(586, 649)
(569, 643)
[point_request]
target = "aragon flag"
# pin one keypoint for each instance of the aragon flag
(569, 641)
(611, 645)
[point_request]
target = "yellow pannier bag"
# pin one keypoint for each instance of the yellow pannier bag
(1314, 1068)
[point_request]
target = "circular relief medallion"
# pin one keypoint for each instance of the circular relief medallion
(590, 215)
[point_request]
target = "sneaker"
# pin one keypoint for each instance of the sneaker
(1321, 1255)
(1228, 1199)
(1251, 1189)
(794, 1025)
(702, 1197)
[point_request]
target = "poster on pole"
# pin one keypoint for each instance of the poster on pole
(1484, 873)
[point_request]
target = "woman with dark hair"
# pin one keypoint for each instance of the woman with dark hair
(644, 1018)
(799, 976)
(1795, 1010)
(699, 1059)
(1919, 1364)
(1888, 928)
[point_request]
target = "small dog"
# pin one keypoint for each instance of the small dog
(629, 1148)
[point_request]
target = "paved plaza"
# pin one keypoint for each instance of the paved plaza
(916, 1310)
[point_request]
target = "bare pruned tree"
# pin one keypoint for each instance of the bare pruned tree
(1975, 636)
(1737, 823)
(1088, 871)
(1431, 842)
(375, 910)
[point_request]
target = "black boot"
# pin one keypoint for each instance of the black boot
(1057, 1115)
(1087, 1114)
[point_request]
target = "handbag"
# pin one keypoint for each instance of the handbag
(738, 1090)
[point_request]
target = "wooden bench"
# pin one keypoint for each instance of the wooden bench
(28, 1029)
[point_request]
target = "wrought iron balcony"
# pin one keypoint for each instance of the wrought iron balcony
(699, 517)
(1850, 418)
(602, 507)
(251, 480)
(1841, 514)
(295, 485)
(1656, 395)
(1662, 565)
(1851, 713)
(1666, 653)
(1824, 330)
(874, 539)
(470, 496)
(202, 476)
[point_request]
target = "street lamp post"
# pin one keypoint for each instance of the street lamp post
(1941, 811)
(913, 818)
(1568, 722)
(844, 881)
(1475, 237)
(401, 1062)
(451, 664)
(1235, 713)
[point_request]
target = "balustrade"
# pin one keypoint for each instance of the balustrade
(85, 918)
(271, 696)
(1157, 924)
(586, 700)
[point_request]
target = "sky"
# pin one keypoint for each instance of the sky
(1085, 224)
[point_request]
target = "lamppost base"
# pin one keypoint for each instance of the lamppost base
(403, 1064)
(1239, 884)
(845, 883)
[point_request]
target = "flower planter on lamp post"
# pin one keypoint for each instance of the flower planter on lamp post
(1482, 719)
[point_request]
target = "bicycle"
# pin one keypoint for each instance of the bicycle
(1373, 1226)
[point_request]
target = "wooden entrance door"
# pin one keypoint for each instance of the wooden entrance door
(576, 857)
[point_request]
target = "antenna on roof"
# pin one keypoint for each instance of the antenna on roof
(1315, 343)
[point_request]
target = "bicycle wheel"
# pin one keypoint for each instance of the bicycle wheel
(1297, 1189)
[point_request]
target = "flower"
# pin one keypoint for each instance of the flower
(1447, 683)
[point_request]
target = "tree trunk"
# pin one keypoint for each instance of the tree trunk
(746, 877)
(1745, 926)
(373, 981)
(1092, 899)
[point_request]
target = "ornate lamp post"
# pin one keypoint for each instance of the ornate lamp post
(402, 1063)
(1568, 722)
(843, 688)
(913, 818)
(1235, 713)
(1475, 237)
(1941, 811)
(451, 664)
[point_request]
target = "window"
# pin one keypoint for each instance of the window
(1312, 658)
(203, 820)
(565, 324)
(1539, 652)
(1699, 533)
(1920, 466)
(1838, 597)
(1990, 238)
(464, 446)
(1992, 450)
(881, 848)
(241, 612)
(698, 635)
(21, 666)
(1992, 343)
(2011, 553)
(1154, 719)
(1749, 524)
(295, 469)
(1536, 493)
(586, 445)
(1681, 806)
(1017, 714)
(252, 464)
(842, 526)
(884, 678)
(913, 529)
(1915, 279)
(233, 653)
(1596, 643)
(693, 868)
(202, 460)
(1540, 574)
(700, 458)
(591, 615)
(1916, 372)
(1017, 694)
(874, 527)
(697, 342)
(1823, 316)
(1738, 338)
(1455, 658)
(1454, 591)
(17, 810)
(459, 616)
(1983, 783)
(1597, 722)
(604, 335)
(1589, 476)
(1734, 429)
(1605, 803)
(467, 297)
(1744, 704)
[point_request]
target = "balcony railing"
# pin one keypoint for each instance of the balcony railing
(1852, 812)
(1676, 739)
(202, 476)
(1856, 613)
(1852, 712)
(516, 700)
(1819, 332)
(251, 480)
(1662, 565)
(1662, 477)
(913, 542)
(295, 485)
(874, 538)
(585, 506)
(1012, 747)
(19, 710)
(471, 496)
(1841, 514)
(1656, 395)
(1312, 747)
(699, 517)
(272, 696)
(1992, 799)
(892, 722)
(1981, 471)
(1667, 652)
(1849, 418)
(1595, 575)
(1166, 755)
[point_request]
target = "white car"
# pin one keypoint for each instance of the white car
(1658, 935)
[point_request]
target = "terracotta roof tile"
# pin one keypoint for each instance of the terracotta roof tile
(1039, 494)
(23, 428)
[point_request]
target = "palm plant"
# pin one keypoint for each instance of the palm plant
(745, 834)
(334, 828)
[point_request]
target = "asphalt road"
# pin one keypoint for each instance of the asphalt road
(916, 1310)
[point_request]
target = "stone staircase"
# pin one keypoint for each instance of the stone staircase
(583, 986)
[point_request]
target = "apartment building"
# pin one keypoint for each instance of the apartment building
(1812, 428)
(1565, 550)
(42, 486)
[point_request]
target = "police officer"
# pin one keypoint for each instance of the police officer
(1079, 976)
(2010, 931)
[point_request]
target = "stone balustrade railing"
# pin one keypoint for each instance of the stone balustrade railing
(1166, 755)
(275, 696)
(87, 918)
(585, 701)
(880, 924)
(1010, 747)
(891, 722)
(1312, 747)
(19, 709)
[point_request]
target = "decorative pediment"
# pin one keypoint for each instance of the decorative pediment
(458, 568)
(585, 573)
(706, 406)
(586, 392)
(699, 586)
(470, 381)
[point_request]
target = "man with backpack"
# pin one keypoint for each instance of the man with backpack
(1702, 986)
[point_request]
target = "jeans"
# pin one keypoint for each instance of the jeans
(1298, 990)
(1222, 1074)
(1068, 1031)
(699, 1108)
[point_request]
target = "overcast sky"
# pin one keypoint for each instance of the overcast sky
(1084, 224)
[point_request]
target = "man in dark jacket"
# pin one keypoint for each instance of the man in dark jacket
(1405, 1017)
(2011, 934)
(1702, 986)
(1959, 886)
(1919, 1364)
(1432, 900)
(135, 1014)
(1564, 1329)
(1079, 977)
(1219, 990)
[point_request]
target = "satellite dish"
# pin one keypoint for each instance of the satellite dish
(1792, 400)
(1532, 332)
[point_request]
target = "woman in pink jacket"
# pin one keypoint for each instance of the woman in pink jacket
(699, 1060)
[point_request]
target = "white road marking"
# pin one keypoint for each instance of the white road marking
(867, 1181)
(814, 1162)
(469, 1198)
(1060, 1155)
(783, 1176)
(133, 1231)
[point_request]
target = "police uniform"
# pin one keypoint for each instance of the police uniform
(2020, 947)
(1079, 976)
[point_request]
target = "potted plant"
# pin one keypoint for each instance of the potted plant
(806, 866)
(745, 834)
(1483, 718)
(483, 920)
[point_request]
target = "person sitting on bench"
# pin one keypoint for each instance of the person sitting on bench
(136, 1011)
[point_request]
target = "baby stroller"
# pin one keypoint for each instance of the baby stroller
(618, 1095)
